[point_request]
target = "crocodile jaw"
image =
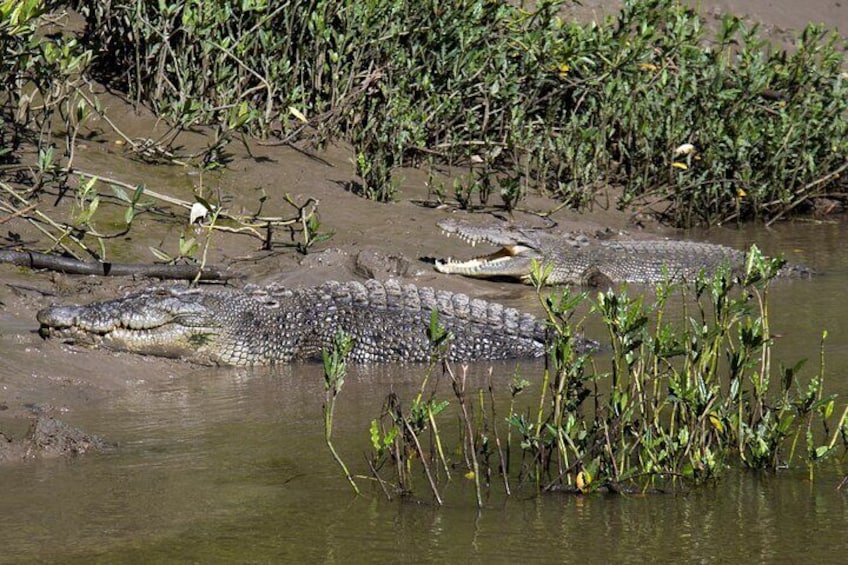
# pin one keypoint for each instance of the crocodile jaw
(511, 261)
(168, 341)
(168, 331)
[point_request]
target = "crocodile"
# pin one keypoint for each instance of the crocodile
(265, 325)
(577, 259)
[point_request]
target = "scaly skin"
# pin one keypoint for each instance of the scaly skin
(579, 260)
(388, 323)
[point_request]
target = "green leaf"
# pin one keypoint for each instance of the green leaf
(139, 191)
(120, 193)
(187, 246)
(161, 255)
(375, 435)
(92, 208)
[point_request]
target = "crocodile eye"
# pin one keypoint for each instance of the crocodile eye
(263, 297)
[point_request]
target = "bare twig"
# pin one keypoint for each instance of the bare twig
(828, 177)
(380, 481)
(65, 232)
(423, 459)
(459, 390)
(247, 221)
(17, 213)
(501, 456)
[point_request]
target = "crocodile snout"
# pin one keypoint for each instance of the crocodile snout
(58, 316)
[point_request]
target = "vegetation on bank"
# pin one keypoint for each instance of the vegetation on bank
(47, 98)
(664, 405)
(720, 125)
(709, 126)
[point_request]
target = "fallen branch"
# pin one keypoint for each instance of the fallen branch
(35, 260)
(17, 213)
(805, 196)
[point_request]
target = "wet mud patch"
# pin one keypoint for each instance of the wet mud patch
(46, 437)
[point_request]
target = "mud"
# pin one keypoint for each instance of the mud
(46, 437)
(777, 18)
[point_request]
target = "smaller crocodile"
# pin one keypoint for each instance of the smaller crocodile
(264, 325)
(576, 259)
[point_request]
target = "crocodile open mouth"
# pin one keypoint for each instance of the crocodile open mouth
(512, 260)
(502, 261)
(509, 261)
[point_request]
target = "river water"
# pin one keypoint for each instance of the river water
(230, 465)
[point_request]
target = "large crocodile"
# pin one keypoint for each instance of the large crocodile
(388, 322)
(585, 261)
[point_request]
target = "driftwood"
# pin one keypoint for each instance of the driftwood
(35, 260)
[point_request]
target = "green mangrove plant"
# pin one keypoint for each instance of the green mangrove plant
(680, 400)
(673, 396)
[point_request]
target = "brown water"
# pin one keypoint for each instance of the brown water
(224, 464)
(230, 465)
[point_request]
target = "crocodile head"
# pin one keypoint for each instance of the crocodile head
(168, 322)
(514, 260)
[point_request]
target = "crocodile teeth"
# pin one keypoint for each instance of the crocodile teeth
(136, 324)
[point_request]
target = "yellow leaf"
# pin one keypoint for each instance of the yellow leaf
(469, 475)
(647, 67)
(716, 422)
(583, 480)
(298, 114)
(682, 166)
(740, 193)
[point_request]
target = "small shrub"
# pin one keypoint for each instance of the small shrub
(663, 406)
